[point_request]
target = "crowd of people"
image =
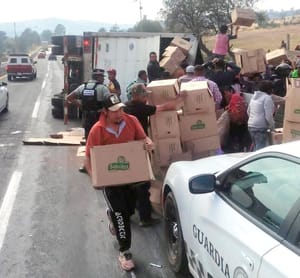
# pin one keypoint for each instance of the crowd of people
(109, 121)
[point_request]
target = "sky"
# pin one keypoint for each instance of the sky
(108, 11)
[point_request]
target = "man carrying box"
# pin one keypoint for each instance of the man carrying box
(113, 127)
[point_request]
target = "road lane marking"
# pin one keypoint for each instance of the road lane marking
(38, 101)
(8, 204)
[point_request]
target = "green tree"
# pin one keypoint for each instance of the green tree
(60, 30)
(46, 35)
(200, 16)
(3, 39)
(27, 40)
(114, 28)
(102, 30)
(147, 26)
(262, 19)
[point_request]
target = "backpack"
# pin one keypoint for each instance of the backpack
(237, 109)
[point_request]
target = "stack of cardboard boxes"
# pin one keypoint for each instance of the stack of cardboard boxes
(291, 124)
(198, 123)
(164, 126)
(174, 55)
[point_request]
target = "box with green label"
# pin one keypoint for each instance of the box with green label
(120, 164)
(195, 126)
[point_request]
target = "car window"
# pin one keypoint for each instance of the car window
(13, 60)
(24, 60)
(266, 189)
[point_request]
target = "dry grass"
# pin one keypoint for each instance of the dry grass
(268, 39)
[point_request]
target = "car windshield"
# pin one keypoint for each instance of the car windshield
(266, 188)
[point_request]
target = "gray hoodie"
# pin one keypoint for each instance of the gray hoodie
(260, 111)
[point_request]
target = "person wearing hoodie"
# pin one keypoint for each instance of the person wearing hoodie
(261, 111)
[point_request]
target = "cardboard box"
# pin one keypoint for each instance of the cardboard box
(169, 64)
(120, 164)
(195, 126)
(165, 124)
(175, 52)
(276, 56)
(164, 149)
(243, 17)
(292, 100)
(276, 136)
(250, 60)
(162, 90)
(199, 99)
(183, 44)
(198, 146)
(291, 131)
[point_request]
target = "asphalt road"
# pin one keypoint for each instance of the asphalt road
(51, 224)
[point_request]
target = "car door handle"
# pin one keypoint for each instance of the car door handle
(249, 262)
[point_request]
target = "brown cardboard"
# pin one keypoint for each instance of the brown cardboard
(175, 52)
(291, 131)
(276, 56)
(169, 64)
(162, 91)
(250, 60)
(164, 149)
(198, 146)
(120, 164)
(195, 126)
(276, 136)
(164, 124)
(198, 98)
(292, 100)
(183, 44)
(185, 156)
(243, 17)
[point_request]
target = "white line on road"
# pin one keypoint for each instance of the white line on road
(8, 203)
(38, 101)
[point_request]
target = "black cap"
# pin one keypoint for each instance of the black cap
(113, 103)
(98, 72)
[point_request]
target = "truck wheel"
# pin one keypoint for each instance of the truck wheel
(57, 102)
(57, 113)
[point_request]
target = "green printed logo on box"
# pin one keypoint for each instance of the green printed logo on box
(297, 111)
(295, 133)
(121, 164)
(198, 125)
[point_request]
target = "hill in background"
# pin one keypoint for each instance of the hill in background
(72, 27)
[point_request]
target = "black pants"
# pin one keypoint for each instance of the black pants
(143, 201)
(121, 201)
(89, 119)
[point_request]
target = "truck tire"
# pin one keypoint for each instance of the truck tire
(57, 113)
(57, 102)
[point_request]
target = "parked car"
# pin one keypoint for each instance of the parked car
(20, 65)
(235, 215)
(52, 57)
(42, 55)
(4, 97)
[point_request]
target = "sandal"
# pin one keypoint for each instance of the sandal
(126, 262)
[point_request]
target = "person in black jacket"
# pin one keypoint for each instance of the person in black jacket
(153, 68)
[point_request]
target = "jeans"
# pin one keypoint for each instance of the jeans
(259, 137)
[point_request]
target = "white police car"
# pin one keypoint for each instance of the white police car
(235, 215)
(3, 97)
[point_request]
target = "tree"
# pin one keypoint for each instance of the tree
(114, 28)
(46, 35)
(102, 30)
(262, 19)
(3, 39)
(28, 39)
(200, 16)
(147, 26)
(60, 30)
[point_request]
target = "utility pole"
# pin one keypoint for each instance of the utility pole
(141, 10)
(15, 32)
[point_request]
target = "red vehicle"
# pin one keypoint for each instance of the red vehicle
(20, 65)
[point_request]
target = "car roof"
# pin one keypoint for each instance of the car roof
(290, 148)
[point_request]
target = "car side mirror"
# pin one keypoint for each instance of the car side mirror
(202, 184)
